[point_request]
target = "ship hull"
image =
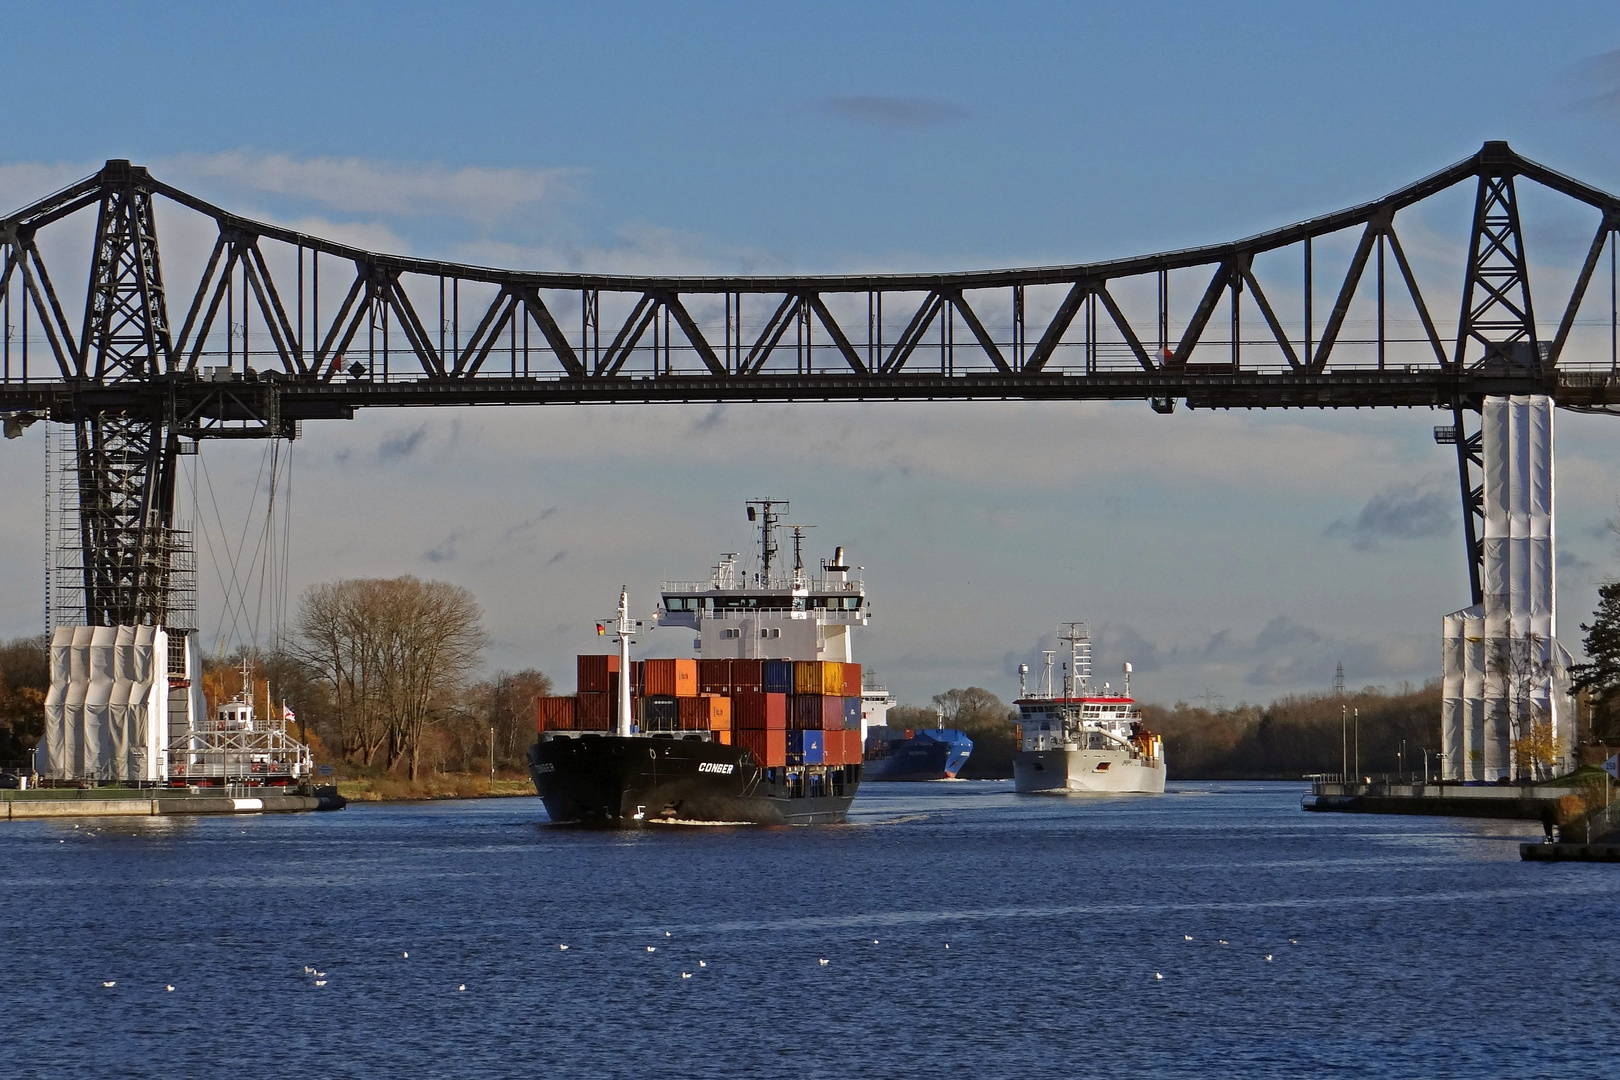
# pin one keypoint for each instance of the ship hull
(923, 757)
(631, 782)
(1062, 772)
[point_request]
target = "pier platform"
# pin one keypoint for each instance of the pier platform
(1606, 852)
(1549, 805)
(16, 805)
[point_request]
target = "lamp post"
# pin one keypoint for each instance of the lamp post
(1344, 744)
(1358, 745)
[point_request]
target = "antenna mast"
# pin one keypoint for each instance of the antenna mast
(767, 516)
(1077, 635)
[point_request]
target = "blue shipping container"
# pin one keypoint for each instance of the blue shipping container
(806, 748)
(778, 676)
(852, 714)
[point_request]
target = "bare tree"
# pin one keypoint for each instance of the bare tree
(394, 653)
(1519, 661)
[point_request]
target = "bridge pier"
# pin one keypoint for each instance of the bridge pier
(1507, 710)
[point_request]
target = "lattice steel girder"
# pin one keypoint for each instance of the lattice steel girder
(125, 501)
(435, 331)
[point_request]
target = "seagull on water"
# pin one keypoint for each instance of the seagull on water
(823, 964)
(463, 986)
(652, 948)
(874, 941)
(563, 948)
(320, 982)
(1268, 958)
(1220, 941)
(1157, 977)
(1293, 941)
(110, 985)
(703, 963)
(1186, 937)
(686, 974)
(406, 955)
(168, 987)
(666, 933)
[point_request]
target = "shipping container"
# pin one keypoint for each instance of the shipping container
(597, 674)
(594, 712)
(704, 713)
(832, 747)
(852, 680)
(686, 678)
(759, 712)
(714, 677)
(804, 712)
(660, 712)
(778, 677)
(832, 713)
(818, 677)
(723, 738)
(658, 678)
(556, 714)
(768, 747)
(806, 748)
(747, 677)
(852, 711)
(854, 751)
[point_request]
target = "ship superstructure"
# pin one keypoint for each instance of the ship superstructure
(1077, 737)
(765, 609)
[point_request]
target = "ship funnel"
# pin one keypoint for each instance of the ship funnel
(838, 555)
(1126, 668)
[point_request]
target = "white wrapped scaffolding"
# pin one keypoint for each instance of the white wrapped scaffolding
(107, 712)
(1507, 710)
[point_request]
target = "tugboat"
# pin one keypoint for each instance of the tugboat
(762, 727)
(1084, 739)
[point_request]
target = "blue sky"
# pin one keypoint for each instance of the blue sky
(1235, 555)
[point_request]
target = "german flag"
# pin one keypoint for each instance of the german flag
(601, 630)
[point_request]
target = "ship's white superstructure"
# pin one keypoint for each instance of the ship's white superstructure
(766, 611)
(1081, 738)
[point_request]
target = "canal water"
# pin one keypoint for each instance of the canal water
(950, 930)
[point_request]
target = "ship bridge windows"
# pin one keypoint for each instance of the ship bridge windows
(684, 603)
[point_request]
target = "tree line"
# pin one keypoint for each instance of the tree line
(1291, 737)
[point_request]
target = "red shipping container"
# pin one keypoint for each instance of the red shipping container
(714, 677)
(854, 748)
(759, 712)
(594, 712)
(596, 674)
(832, 713)
(768, 747)
(704, 713)
(747, 676)
(804, 712)
(852, 680)
(556, 714)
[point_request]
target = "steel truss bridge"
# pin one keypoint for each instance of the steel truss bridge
(277, 327)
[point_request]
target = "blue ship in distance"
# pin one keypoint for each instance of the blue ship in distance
(926, 754)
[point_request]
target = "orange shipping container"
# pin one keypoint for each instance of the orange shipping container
(686, 680)
(818, 677)
(852, 680)
(768, 747)
(723, 738)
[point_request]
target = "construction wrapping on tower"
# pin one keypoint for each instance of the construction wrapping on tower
(1507, 711)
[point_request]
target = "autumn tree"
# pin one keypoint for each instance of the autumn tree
(394, 654)
(25, 676)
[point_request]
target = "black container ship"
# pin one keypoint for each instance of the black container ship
(762, 727)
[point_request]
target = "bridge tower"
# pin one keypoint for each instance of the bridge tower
(119, 560)
(1507, 709)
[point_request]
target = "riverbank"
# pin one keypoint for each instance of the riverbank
(437, 786)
